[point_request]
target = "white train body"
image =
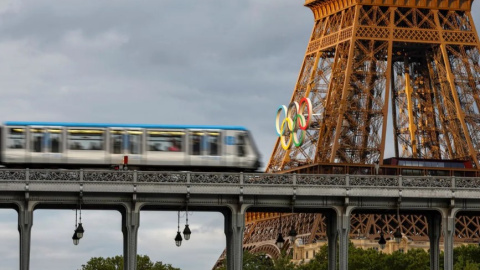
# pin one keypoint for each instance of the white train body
(165, 147)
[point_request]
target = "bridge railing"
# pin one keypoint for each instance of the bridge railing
(244, 179)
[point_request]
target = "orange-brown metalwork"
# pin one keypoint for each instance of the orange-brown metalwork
(422, 57)
(409, 67)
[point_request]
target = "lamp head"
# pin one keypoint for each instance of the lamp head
(280, 241)
(397, 235)
(75, 238)
(382, 241)
(178, 239)
(79, 231)
(186, 232)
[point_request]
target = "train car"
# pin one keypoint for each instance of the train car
(149, 147)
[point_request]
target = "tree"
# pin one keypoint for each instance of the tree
(253, 261)
(466, 257)
(116, 263)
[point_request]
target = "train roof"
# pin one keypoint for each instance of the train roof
(117, 125)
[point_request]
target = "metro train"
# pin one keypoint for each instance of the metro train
(147, 147)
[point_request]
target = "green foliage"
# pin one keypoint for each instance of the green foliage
(466, 257)
(116, 263)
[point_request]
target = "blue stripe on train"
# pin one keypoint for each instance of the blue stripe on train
(106, 125)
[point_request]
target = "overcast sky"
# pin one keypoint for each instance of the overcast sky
(151, 61)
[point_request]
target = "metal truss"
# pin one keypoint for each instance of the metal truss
(311, 228)
(413, 65)
(369, 64)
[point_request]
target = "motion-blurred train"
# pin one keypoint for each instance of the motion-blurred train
(148, 147)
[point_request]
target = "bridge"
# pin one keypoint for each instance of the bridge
(232, 194)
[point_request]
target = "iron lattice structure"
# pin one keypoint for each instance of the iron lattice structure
(412, 65)
(420, 57)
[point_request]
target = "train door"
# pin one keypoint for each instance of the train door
(214, 148)
(117, 141)
(37, 145)
(54, 145)
(196, 145)
(134, 146)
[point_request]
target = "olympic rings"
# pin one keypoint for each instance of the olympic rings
(293, 120)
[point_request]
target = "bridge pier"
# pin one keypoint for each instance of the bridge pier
(130, 225)
(448, 225)
(332, 236)
(234, 227)
(343, 222)
(434, 231)
(25, 222)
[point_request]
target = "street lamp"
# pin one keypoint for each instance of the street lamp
(79, 230)
(178, 238)
(280, 241)
(292, 235)
(398, 233)
(186, 231)
(75, 237)
(382, 241)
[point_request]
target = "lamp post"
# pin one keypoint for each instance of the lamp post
(75, 237)
(186, 231)
(280, 241)
(398, 233)
(382, 241)
(293, 233)
(79, 230)
(178, 238)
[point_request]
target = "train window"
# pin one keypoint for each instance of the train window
(135, 141)
(55, 140)
(37, 135)
(165, 141)
(16, 138)
(241, 145)
(196, 143)
(213, 139)
(116, 141)
(85, 139)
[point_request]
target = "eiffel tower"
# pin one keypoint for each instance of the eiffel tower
(408, 68)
